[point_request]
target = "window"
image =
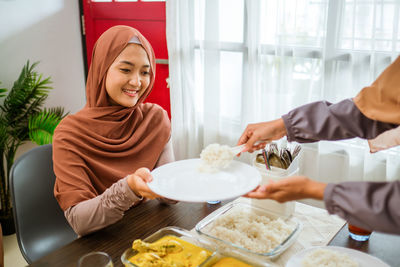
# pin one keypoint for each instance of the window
(370, 25)
(256, 60)
(330, 54)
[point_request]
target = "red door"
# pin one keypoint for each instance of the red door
(146, 16)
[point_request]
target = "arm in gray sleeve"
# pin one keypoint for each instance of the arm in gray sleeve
(369, 205)
(326, 121)
(103, 210)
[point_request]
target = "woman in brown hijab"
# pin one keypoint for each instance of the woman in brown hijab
(103, 154)
(374, 114)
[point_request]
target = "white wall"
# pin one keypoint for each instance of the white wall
(47, 31)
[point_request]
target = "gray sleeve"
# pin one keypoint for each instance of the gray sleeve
(96, 213)
(369, 205)
(326, 121)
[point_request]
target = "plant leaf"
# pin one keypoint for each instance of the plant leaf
(25, 99)
(2, 91)
(3, 133)
(43, 124)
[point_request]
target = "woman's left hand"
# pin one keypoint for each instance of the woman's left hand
(138, 183)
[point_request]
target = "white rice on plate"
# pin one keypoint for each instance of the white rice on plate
(214, 157)
(327, 258)
(256, 233)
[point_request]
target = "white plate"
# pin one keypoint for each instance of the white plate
(181, 180)
(363, 259)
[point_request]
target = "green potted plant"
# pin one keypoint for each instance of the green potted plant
(22, 118)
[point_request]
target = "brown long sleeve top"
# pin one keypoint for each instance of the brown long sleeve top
(109, 207)
(369, 205)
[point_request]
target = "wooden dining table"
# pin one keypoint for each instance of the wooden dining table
(146, 218)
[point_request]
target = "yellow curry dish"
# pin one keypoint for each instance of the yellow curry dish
(169, 251)
(230, 262)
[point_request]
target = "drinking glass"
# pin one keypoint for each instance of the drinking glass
(214, 202)
(98, 259)
(358, 233)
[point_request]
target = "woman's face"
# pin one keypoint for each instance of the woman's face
(128, 76)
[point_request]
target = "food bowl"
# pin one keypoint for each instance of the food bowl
(266, 236)
(176, 232)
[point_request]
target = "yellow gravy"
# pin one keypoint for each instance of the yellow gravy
(169, 251)
(230, 262)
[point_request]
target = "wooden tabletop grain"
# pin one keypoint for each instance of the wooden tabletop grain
(138, 222)
(146, 218)
(383, 246)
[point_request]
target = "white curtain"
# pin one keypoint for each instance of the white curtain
(186, 130)
(234, 62)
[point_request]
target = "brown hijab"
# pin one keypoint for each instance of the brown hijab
(101, 143)
(381, 102)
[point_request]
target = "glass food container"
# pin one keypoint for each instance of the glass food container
(238, 251)
(176, 232)
(227, 260)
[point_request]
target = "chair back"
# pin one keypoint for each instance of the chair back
(39, 221)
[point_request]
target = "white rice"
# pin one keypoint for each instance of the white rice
(214, 157)
(327, 258)
(257, 233)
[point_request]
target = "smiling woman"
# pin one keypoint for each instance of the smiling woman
(103, 154)
(128, 76)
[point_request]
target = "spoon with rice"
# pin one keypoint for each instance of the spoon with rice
(215, 156)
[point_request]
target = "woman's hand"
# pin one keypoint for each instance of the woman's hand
(138, 183)
(263, 132)
(291, 188)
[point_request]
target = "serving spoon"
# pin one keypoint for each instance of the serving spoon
(238, 149)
